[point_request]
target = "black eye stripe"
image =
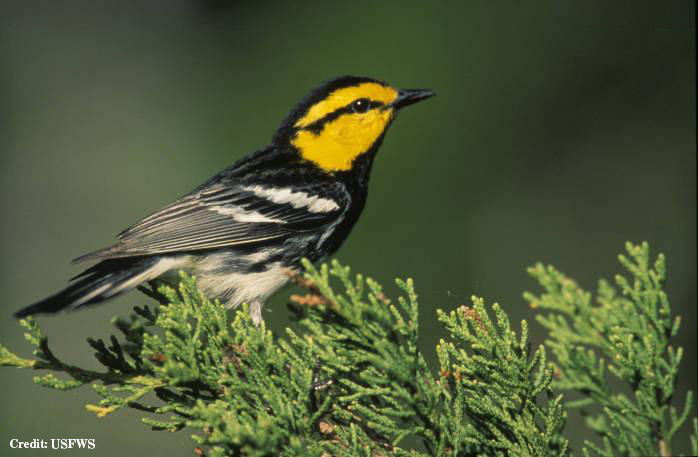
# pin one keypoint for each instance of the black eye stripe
(374, 104)
(318, 125)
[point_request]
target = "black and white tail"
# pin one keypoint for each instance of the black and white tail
(105, 280)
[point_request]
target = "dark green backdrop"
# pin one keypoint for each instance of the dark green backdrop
(560, 130)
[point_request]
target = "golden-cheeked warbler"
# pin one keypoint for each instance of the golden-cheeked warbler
(240, 231)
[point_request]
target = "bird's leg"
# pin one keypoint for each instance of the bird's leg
(317, 383)
(255, 310)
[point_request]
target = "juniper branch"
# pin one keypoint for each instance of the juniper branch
(627, 335)
(350, 380)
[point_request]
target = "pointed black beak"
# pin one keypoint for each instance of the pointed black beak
(408, 96)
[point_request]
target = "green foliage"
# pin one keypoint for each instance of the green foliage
(350, 380)
(625, 335)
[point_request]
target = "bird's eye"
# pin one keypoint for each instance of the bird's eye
(361, 105)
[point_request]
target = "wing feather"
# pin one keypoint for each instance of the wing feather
(226, 216)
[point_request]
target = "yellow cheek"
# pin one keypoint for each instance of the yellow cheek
(342, 140)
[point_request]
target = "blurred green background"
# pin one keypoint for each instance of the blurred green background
(560, 130)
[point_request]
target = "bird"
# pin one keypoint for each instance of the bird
(244, 229)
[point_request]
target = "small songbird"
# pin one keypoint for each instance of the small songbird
(241, 231)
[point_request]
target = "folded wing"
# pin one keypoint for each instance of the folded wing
(226, 216)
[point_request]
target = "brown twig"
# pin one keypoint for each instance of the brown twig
(472, 315)
(663, 450)
(314, 298)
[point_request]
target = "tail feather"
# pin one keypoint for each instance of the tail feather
(99, 283)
